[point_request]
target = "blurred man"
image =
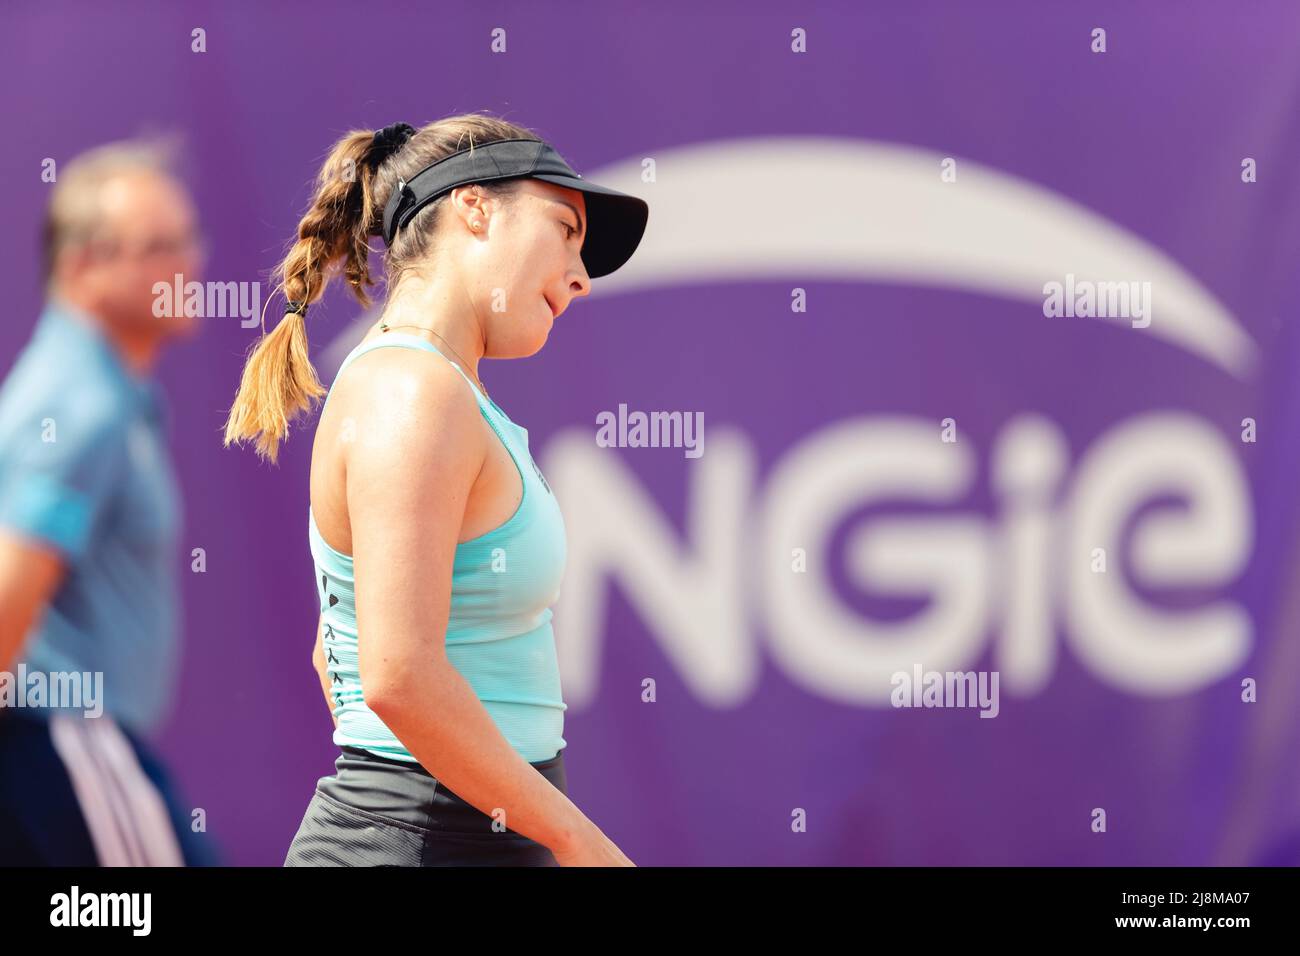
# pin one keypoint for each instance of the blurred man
(89, 514)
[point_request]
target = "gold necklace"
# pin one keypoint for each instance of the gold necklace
(384, 327)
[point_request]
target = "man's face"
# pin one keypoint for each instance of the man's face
(148, 233)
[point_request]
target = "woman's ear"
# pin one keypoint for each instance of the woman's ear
(472, 205)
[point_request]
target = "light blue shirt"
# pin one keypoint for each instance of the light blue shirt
(498, 635)
(84, 468)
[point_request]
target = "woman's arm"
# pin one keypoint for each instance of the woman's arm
(318, 661)
(418, 449)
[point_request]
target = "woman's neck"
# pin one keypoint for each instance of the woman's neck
(447, 312)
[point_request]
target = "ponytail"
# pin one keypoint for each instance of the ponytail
(278, 382)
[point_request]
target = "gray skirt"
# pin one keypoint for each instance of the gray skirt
(375, 811)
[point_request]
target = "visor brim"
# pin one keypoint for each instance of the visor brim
(616, 222)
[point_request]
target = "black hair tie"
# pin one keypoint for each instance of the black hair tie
(291, 307)
(388, 141)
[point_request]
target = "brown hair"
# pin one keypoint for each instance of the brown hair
(278, 381)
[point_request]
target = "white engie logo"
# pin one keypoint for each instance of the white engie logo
(102, 909)
(1006, 578)
(1010, 577)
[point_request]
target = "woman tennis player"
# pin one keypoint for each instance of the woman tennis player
(438, 545)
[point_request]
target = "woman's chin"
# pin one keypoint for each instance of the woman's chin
(522, 348)
(541, 342)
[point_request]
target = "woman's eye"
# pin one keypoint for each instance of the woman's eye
(572, 231)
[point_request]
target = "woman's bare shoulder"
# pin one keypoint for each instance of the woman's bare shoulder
(407, 404)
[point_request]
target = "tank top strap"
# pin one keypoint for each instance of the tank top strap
(400, 340)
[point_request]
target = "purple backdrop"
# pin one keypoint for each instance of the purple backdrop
(1067, 160)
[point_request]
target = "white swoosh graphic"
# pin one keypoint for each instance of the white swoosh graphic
(826, 207)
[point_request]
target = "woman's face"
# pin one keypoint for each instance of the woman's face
(529, 254)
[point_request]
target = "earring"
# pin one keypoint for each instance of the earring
(475, 224)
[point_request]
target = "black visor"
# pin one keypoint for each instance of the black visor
(615, 221)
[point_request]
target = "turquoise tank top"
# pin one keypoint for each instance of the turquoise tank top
(499, 634)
